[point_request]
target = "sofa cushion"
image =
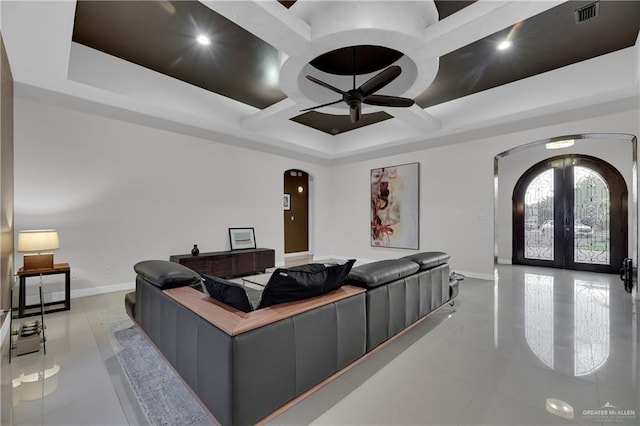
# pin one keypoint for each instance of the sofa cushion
(375, 274)
(165, 274)
(302, 282)
(227, 292)
(428, 259)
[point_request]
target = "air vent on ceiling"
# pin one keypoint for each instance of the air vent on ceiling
(587, 12)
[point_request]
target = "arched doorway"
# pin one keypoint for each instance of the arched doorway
(296, 211)
(571, 212)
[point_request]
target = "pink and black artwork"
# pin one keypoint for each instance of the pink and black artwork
(395, 206)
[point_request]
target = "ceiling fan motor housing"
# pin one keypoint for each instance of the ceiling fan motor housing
(353, 97)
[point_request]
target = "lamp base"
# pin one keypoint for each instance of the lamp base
(38, 261)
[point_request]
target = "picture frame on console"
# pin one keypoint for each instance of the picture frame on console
(242, 238)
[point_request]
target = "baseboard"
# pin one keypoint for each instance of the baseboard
(298, 254)
(92, 291)
(81, 292)
(502, 261)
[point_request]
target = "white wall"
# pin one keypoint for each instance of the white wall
(119, 192)
(456, 201)
(618, 153)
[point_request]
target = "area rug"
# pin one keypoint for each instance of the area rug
(163, 397)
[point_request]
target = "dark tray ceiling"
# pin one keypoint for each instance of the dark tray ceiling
(542, 43)
(160, 36)
(336, 124)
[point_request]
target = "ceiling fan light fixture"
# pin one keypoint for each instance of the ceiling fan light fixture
(203, 40)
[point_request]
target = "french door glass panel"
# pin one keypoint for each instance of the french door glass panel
(591, 217)
(538, 218)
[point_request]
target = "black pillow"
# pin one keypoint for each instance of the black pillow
(302, 282)
(229, 293)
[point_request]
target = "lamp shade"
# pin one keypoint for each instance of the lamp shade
(38, 240)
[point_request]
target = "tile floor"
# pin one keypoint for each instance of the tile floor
(535, 334)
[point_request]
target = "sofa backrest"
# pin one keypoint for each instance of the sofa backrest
(428, 259)
(165, 274)
(375, 274)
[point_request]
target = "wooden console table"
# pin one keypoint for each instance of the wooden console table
(58, 268)
(228, 264)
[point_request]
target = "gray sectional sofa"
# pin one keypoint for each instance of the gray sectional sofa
(243, 366)
(402, 291)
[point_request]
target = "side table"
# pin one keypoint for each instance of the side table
(58, 268)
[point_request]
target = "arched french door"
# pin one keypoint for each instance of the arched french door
(571, 212)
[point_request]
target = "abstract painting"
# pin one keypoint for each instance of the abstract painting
(395, 206)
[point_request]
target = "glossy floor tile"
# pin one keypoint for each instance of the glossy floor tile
(536, 347)
(79, 381)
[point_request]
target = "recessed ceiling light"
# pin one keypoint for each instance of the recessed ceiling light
(203, 40)
(505, 44)
(560, 144)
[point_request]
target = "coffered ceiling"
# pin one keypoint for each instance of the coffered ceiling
(140, 61)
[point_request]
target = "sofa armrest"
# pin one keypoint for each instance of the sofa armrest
(234, 322)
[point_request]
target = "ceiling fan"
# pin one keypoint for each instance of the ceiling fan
(366, 93)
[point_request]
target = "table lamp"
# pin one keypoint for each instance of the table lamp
(38, 241)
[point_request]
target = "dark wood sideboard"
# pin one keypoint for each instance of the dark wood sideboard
(228, 264)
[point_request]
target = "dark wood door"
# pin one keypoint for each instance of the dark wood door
(296, 218)
(571, 212)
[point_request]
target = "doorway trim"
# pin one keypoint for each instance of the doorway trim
(633, 192)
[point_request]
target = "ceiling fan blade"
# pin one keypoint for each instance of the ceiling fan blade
(323, 84)
(320, 106)
(379, 81)
(390, 101)
(355, 112)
